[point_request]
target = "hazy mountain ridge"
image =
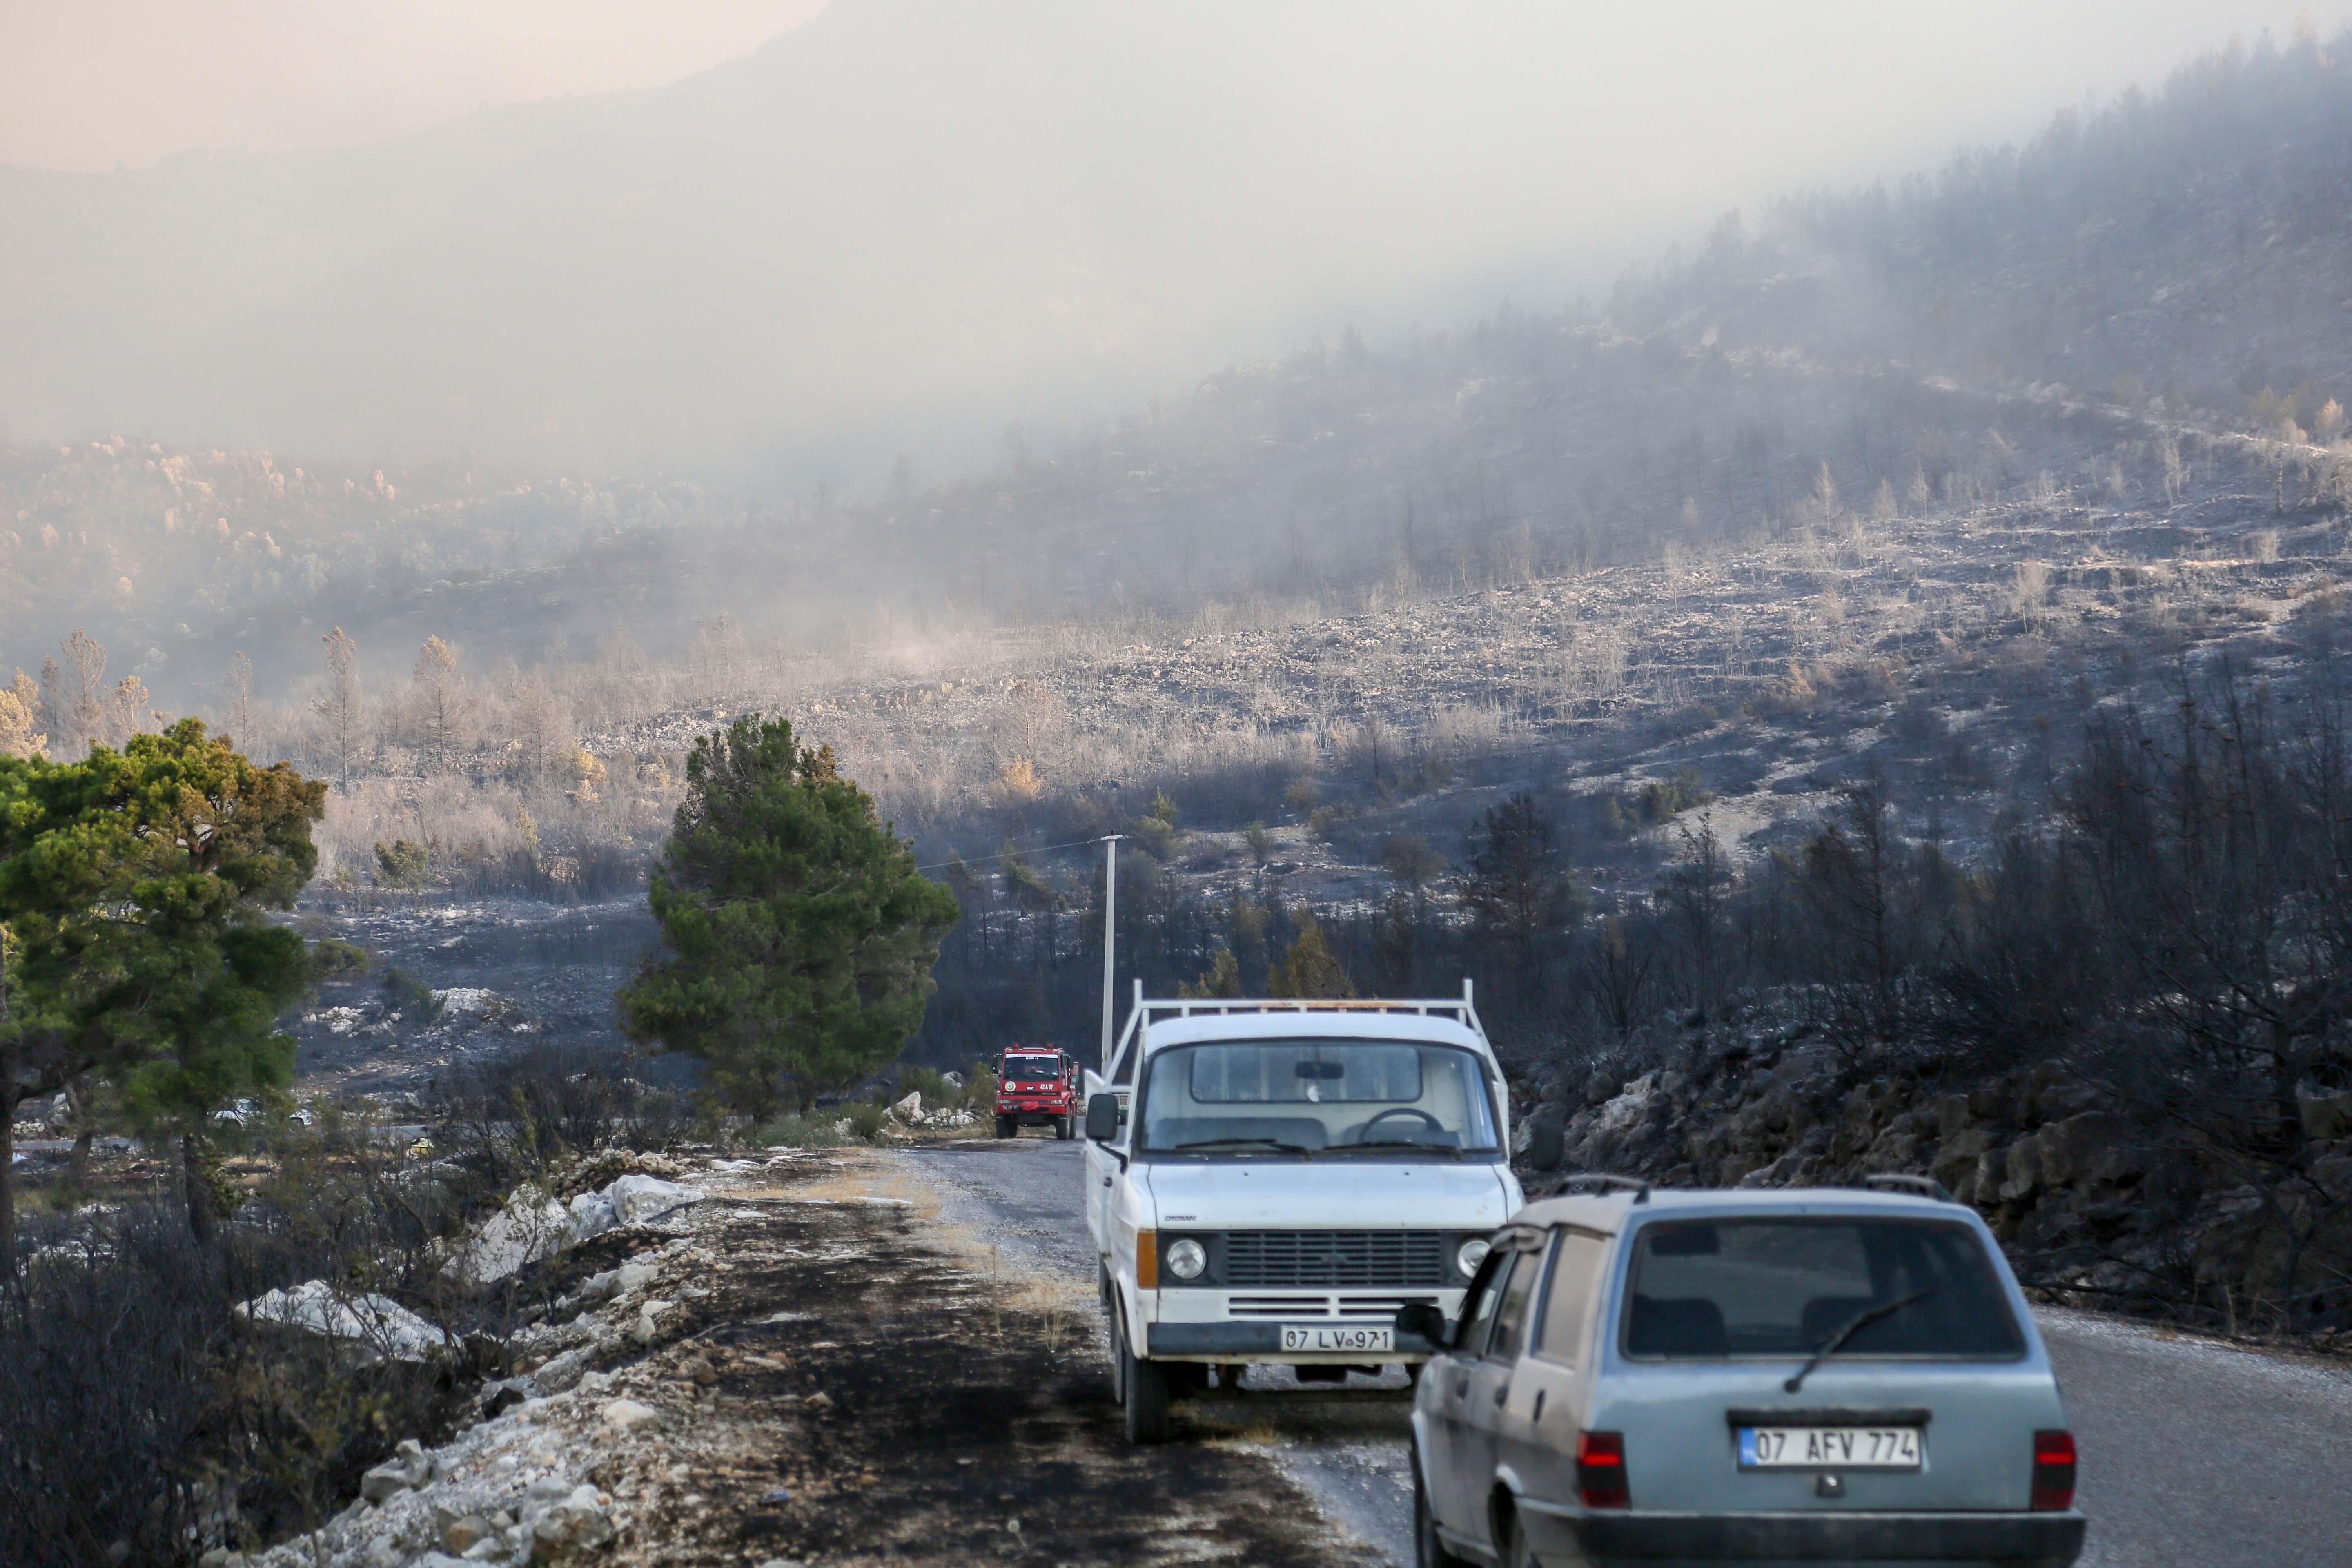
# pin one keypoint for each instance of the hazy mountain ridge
(164, 555)
(2187, 245)
(1908, 341)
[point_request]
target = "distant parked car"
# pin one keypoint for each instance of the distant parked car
(1799, 1375)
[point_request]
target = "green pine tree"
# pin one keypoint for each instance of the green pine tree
(134, 886)
(1310, 969)
(1222, 978)
(801, 936)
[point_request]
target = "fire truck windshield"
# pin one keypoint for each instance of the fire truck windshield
(1032, 1069)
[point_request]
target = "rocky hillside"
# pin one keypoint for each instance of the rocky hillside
(2099, 1206)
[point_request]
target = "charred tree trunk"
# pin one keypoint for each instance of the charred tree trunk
(7, 1164)
(11, 1092)
(204, 1208)
(85, 1132)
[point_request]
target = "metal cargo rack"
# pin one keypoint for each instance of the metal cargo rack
(1462, 1009)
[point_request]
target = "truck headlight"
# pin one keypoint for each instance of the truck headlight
(1186, 1259)
(1473, 1253)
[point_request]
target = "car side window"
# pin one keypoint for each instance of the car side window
(1484, 1292)
(1567, 1300)
(1511, 1311)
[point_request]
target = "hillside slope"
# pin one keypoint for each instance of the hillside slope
(2042, 323)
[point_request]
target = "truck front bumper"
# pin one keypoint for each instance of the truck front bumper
(1263, 1341)
(2018, 1540)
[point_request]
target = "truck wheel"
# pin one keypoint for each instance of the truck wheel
(1117, 1344)
(1428, 1550)
(1007, 1127)
(1147, 1398)
(1061, 1129)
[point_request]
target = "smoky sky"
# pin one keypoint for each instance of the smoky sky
(616, 231)
(94, 83)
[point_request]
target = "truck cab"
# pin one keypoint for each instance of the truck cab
(1036, 1086)
(1271, 1181)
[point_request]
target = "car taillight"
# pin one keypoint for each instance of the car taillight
(1600, 1470)
(2053, 1470)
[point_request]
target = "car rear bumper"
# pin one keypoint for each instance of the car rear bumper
(2017, 1540)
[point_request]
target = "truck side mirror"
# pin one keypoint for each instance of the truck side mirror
(1423, 1320)
(1102, 1118)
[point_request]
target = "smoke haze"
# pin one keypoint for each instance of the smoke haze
(900, 225)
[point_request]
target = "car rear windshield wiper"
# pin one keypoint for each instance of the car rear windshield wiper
(1854, 1325)
(1276, 1144)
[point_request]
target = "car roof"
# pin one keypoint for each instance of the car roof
(1614, 1211)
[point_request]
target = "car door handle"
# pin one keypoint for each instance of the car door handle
(1538, 1415)
(1462, 1385)
(1502, 1391)
(1106, 1181)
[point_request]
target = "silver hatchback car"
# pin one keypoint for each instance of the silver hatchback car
(1802, 1376)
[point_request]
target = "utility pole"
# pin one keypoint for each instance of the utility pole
(1111, 933)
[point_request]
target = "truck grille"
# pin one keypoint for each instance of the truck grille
(1371, 1309)
(1285, 1258)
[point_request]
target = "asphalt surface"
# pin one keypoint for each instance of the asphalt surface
(2194, 1454)
(2201, 1455)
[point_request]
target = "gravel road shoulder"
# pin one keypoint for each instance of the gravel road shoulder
(816, 1366)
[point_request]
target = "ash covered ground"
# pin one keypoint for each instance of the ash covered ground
(454, 979)
(811, 1364)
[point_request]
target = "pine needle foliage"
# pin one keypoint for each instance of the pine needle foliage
(135, 887)
(801, 937)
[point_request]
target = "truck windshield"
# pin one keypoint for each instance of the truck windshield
(1321, 1098)
(1711, 1289)
(1032, 1069)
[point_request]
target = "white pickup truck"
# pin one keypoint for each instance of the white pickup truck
(1270, 1181)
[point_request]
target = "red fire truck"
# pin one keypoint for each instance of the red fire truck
(1036, 1086)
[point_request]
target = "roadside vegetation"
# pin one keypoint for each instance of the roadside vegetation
(798, 937)
(148, 1417)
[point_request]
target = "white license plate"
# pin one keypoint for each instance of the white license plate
(1830, 1448)
(1350, 1339)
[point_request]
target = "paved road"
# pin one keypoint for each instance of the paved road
(2194, 1455)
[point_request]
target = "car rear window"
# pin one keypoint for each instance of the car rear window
(1714, 1289)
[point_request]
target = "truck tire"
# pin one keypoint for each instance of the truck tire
(1145, 1387)
(1007, 1127)
(1117, 1344)
(1062, 1132)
